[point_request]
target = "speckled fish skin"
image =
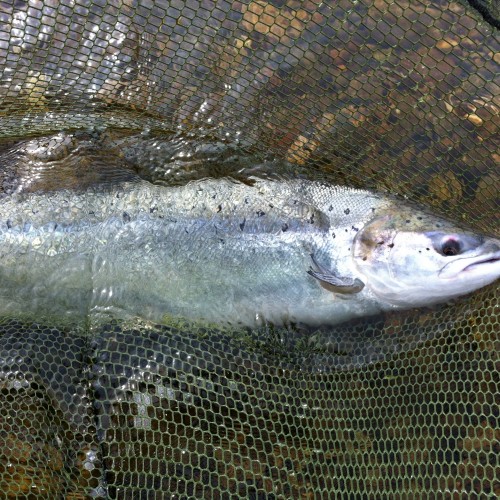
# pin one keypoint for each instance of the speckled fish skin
(225, 252)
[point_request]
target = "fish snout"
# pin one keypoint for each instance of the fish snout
(486, 262)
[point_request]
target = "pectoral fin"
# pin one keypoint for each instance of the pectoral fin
(333, 283)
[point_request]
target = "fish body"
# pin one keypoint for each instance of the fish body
(225, 252)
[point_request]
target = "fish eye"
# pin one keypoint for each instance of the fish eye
(450, 247)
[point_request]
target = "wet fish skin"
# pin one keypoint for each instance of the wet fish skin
(226, 252)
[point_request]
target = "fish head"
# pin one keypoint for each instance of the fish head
(410, 259)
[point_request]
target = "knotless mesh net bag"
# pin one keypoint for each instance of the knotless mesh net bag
(395, 95)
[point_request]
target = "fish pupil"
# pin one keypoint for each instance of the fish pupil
(450, 247)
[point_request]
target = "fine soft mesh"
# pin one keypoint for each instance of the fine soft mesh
(393, 95)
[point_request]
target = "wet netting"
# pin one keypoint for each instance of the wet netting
(391, 95)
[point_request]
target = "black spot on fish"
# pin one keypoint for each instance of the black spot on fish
(419, 218)
(246, 201)
(213, 197)
(311, 219)
(219, 208)
(222, 241)
(347, 230)
(91, 212)
(407, 221)
(364, 258)
(330, 208)
(9, 224)
(354, 228)
(260, 213)
(347, 211)
(242, 225)
(380, 243)
(390, 245)
(373, 209)
(438, 225)
(152, 210)
(427, 248)
(126, 217)
(333, 235)
(271, 205)
(284, 227)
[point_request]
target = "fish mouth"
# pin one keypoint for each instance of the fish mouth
(483, 264)
(486, 260)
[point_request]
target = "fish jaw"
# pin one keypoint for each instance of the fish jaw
(487, 264)
(473, 272)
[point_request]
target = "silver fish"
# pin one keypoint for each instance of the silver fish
(221, 251)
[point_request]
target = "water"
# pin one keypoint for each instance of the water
(400, 405)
